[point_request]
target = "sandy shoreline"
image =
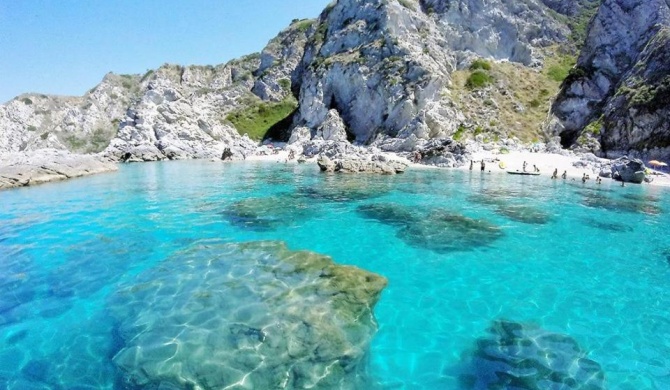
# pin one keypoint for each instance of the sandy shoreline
(545, 162)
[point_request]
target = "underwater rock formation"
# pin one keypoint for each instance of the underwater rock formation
(338, 188)
(516, 212)
(618, 205)
(442, 231)
(263, 214)
(520, 356)
(256, 315)
(387, 213)
(437, 230)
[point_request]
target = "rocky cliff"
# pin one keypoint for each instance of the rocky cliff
(171, 112)
(385, 66)
(616, 99)
(389, 73)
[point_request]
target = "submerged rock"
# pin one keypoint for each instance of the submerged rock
(388, 213)
(262, 214)
(516, 212)
(520, 356)
(437, 230)
(345, 188)
(253, 314)
(607, 225)
(443, 232)
(618, 205)
(524, 213)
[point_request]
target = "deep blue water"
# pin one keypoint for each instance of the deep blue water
(591, 262)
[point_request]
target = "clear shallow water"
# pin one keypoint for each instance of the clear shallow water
(593, 264)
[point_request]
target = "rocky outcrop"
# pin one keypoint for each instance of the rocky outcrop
(375, 164)
(628, 170)
(181, 112)
(617, 93)
(83, 124)
(253, 315)
(173, 112)
(520, 356)
(385, 66)
(636, 120)
(18, 169)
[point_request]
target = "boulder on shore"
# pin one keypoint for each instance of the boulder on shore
(376, 164)
(629, 170)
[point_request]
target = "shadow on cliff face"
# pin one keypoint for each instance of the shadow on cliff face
(522, 356)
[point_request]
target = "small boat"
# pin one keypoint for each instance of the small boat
(524, 173)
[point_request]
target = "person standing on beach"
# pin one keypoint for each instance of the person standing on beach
(564, 175)
(471, 163)
(524, 166)
(555, 175)
(483, 165)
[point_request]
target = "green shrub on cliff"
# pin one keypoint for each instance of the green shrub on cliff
(478, 79)
(407, 4)
(594, 127)
(257, 118)
(480, 64)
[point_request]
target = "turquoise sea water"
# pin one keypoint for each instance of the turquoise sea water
(588, 261)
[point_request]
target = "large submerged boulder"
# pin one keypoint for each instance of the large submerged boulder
(437, 230)
(520, 356)
(249, 315)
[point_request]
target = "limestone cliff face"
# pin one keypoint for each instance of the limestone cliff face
(80, 124)
(385, 65)
(612, 95)
(181, 111)
(171, 112)
(637, 119)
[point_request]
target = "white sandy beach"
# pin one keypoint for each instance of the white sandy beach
(545, 162)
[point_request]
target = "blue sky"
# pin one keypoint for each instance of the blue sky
(65, 47)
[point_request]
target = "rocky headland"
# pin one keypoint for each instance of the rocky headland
(37, 167)
(442, 80)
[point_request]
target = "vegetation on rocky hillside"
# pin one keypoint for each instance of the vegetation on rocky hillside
(258, 117)
(513, 101)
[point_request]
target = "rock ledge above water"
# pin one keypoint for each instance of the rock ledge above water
(29, 168)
